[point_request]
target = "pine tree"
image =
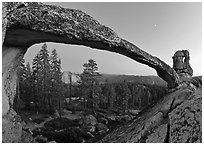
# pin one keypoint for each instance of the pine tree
(36, 81)
(20, 92)
(56, 81)
(28, 86)
(89, 82)
(41, 76)
(45, 75)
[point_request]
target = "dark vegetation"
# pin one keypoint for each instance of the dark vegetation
(106, 100)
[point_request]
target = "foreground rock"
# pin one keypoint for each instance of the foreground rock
(177, 118)
(61, 130)
(89, 120)
(84, 129)
(11, 127)
(186, 119)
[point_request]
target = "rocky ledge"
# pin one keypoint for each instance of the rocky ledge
(175, 119)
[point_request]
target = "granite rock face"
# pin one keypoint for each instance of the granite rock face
(186, 120)
(177, 118)
(25, 24)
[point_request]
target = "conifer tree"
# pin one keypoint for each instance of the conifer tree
(89, 81)
(56, 81)
(36, 81)
(20, 92)
(41, 76)
(28, 86)
(45, 75)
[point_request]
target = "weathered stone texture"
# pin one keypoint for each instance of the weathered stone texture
(4, 20)
(169, 121)
(181, 62)
(186, 120)
(11, 128)
(159, 135)
(10, 60)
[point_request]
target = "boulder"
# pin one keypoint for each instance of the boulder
(41, 139)
(60, 123)
(134, 112)
(68, 135)
(66, 112)
(91, 128)
(27, 137)
(89, 120)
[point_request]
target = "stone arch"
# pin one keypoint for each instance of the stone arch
(30, 23)
(25, 24)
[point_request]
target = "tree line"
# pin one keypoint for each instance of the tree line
(112, 96)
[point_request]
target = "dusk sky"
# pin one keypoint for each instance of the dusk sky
(157, 28)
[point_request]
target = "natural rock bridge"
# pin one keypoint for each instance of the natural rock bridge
(25, 24)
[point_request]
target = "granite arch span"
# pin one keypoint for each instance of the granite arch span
(25, 24)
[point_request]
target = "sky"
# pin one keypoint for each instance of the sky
(159, 28)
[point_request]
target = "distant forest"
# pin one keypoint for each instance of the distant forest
(40, 88)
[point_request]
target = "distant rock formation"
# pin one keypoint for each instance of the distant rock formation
(181, 62)
(25, 24)
(66, 77)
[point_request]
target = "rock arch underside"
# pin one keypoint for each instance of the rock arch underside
(25, 24)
